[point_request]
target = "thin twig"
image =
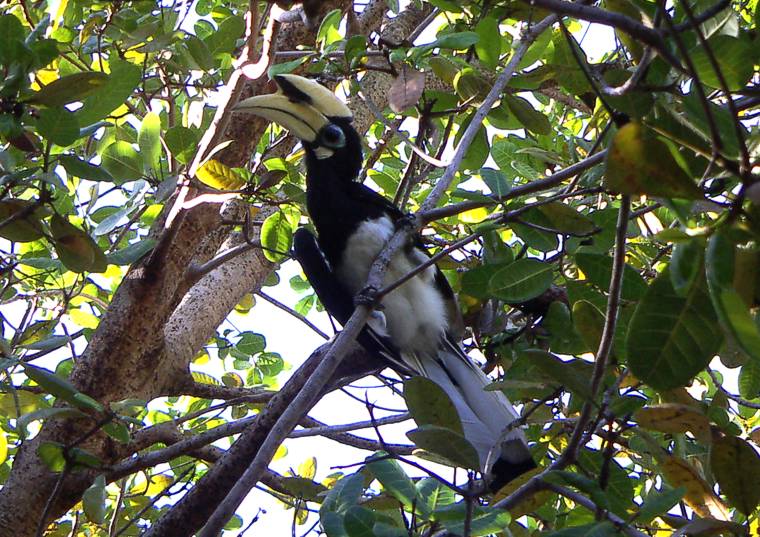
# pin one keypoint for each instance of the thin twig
(580, 499)
(292, 312)
(520, 190)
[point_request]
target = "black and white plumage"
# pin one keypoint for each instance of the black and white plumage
(419, 326)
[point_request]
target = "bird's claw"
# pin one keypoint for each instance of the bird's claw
(368, 297)
(407, 221)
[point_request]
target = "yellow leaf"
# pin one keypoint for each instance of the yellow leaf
(201, 358)
(84, 319)
(474, 216)
(217, 175)
(674, 418)
(280, 453)
(151, 488)
(308, 468)
(699, 496)
(3, 446)
(245, 304)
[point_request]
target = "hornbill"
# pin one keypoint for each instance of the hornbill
(418, 325)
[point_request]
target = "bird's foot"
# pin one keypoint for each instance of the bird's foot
(368, 297)
(408, 221)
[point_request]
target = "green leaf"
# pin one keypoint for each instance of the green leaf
(343, 495)
(697, 119)
(658, 502)
(285, 68)
(568, 73)
(60, 387)
(94, 500)
(11, 37)
(69, 88)
(43, 414)
(251, 343)
(22, 229)
(58, 125)
(522, 280)
(749, 380)
(584, 484)
(456, 41)
(75, 248)
(731, 54)
(118, 431)
(530, 118)
(733, 313)
(446, 443)
(433, 495)
(598, 269)
(736, 466)
(124, 78)
(686, 263)
(182, 143)
(276, 237)
(84, 170)
(332, 524)
(484, 520)
(390, 475)
(149, 141)
(496, 181)
(122, 162)
(225, 37)
(356, 47)
(200, 53)
(429, 404)
(51, 454)
(596, 529)
(328, 31)
(589, 323)
(672, 338)
(564, 373)
(538, 239)
(477, 153)
(639, 163)
(359, 521)
(488, 47)
(563, 337)
(475, 281)
(565, 218)
(131, 253)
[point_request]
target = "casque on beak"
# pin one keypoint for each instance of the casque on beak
(300, 105)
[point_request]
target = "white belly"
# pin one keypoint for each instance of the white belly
(415, 313)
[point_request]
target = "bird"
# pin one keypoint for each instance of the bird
(417, 327)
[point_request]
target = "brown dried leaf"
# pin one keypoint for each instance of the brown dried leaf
(270, 178)
(407, 89)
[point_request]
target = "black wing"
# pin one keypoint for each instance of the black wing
(336, 299)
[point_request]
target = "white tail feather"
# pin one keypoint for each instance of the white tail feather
(487, 416)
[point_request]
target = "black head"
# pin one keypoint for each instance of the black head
(318, 118)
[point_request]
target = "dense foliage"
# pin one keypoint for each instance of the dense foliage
(601, 229)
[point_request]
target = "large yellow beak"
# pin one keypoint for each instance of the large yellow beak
(300, 105)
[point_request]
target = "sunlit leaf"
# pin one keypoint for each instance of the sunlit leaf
(69, 88)
(639, 163)
(217, 175)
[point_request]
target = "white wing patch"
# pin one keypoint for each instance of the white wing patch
(415, 313)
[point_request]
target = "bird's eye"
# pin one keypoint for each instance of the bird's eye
(333, 137)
